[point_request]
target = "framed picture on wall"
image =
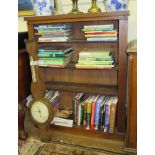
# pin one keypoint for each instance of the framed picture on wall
(25, 8)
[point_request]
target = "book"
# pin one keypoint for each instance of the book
(114, 32)
(99, 35)
(52, 62)
(48, 49)
(94, 66)
(99, 26)
(80, 113)
(97, 112)
(47, 27)
(74, 109)
(102, 39)
(102, 113)
(55, 54)
(107, 115)
(93, 112)
(113, 109)
(85, 112)
(89, 62)
(62, 122)
(62, 65)
(95, 53)
(88, 112)
(79, 99)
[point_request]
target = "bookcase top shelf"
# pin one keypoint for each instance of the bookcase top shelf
(77, 17)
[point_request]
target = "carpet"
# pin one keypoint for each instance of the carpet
(36, 147)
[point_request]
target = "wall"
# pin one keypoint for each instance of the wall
(66, 6)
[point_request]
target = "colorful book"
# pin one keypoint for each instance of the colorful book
(88, 112)
(102, 39)
(85, 112)
(88, 62)
(79, 100)
(74, 109)
(46, 27)
(49, 49)
(93, 112)
(107, 115)
(94, 66)
(97, 112)
(99, 26)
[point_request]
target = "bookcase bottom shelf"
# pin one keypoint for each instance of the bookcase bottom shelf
(78, 136)
(87, 88)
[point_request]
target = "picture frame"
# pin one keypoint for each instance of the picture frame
(25, 8)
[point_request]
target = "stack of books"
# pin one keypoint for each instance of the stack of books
(95, 60)
(53, 33)
(100, 32)
(54, 56)
(96, 112)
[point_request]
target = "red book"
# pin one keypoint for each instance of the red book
(93, 113)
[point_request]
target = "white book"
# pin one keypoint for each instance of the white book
(63, 124)
(62, 120)
(99, 26)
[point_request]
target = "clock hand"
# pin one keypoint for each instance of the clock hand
(39, 111)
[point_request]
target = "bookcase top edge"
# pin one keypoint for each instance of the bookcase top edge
(82, 16)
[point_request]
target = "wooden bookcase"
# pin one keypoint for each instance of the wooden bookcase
(70, 80)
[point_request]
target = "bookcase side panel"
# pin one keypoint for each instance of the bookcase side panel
(122, 75)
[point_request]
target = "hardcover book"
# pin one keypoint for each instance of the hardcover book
(88, 112)
(113, 109)
(97, 112)
(93, 112)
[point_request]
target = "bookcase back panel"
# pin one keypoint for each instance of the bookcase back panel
(88, 76)
(66, 99)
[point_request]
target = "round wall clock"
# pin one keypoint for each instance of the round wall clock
(41, 114)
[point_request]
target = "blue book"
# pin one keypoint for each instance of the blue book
(97, 112)
(107, 115)
(43, 27)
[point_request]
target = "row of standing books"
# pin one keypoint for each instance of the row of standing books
(63, 33)
(99, 59)
(100, 32)
(96, 112)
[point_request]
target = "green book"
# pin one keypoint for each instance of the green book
(99, 54)
(55, 55)
(55, 49)
(85, 62)
(96, 59)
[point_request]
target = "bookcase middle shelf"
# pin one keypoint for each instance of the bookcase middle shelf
(87, 88)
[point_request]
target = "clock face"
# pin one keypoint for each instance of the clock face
(39, 112)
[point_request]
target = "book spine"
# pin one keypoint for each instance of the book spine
(97, 116)
(74, 111)
(79, 115)
(93, 115)
(82, 114)
(88, 115)
(85, 115)
(112, 118)
(107, 119)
